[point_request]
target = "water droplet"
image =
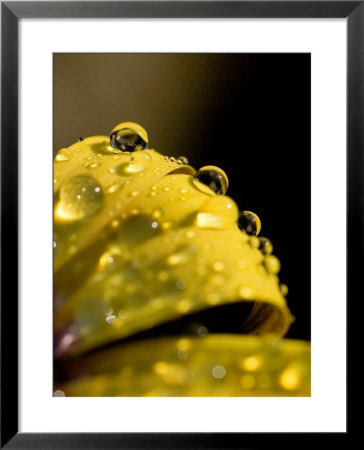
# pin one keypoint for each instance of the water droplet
(183, 160)
(251, 363)
(123, 314)
(166, 188)
(181, 256)
(137, 164)
(213, 298)
(92, 165)
(218, 266)
(290, 378)
(62, 155)
(80, 139)
(110, 318)
(272, 264)
(190, 234)
(202, 331)
(157, 213)
(134, 193)
(284, 289)
(182, 354)
(246, 293)
(80, 197)
(254, 242)
(265, 246)
(249, 223)
(59, 393)
(114, 187)
(181, 284)
(213, 177)
(109, 257)
(184, 306)
(247, 381)
(219, 371)
(129, 137)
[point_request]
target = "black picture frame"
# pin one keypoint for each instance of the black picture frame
(11, 12)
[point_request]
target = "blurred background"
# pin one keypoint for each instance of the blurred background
(246, 113)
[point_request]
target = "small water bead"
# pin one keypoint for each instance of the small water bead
(265, 246)
(219, 371)
(62, 155)
(181, 256)
(213, 298)
(194, 328)
(247, 381)
(184, 306)
(284, 289)
(247, 293)
(251, 363)
(181, 284)
(202, 331)
(254, 242)
(59, 393)
(129, 136)
(182, 160)
(166, 225)
(218, 266)
(290, 378)
(249, 223)
(114, 187)
(110, 318)
(80, 197)
(213, 177)
(182, 354)
(80, 139)
(190, 234)
(156, 303)
(123, 314)
(92, 165)
(272, 264)
(138, 163)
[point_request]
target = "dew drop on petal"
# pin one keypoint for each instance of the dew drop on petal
(80, 197)
(249, 223)
(219, 371)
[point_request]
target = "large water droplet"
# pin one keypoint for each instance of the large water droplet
(213, 177)
(80, 197)
(129, 137)
(249, 223)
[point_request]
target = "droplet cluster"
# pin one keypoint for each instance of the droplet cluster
(141, 239)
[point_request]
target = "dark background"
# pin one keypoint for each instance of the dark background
(246, 113)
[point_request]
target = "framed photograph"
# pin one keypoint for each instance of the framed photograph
(168, 169)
